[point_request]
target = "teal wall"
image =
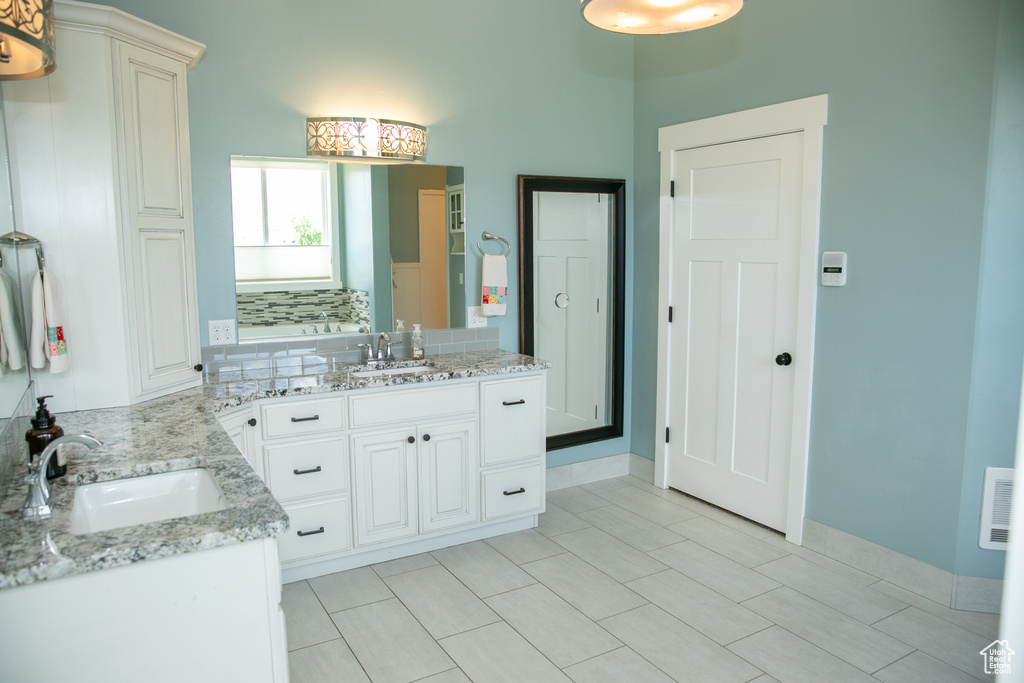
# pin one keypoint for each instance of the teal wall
(504, 87)
(999, 333)
(913, 385)
(910, 88)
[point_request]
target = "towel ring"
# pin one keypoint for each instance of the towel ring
(489, 236)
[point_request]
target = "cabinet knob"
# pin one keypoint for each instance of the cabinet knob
(426, 437)
(783, 359)
(251, 421)
(411, 439)
(198, 367)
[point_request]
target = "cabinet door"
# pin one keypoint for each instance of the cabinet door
(157, 233)
(384, 485)
(237, 425)
(448, 461)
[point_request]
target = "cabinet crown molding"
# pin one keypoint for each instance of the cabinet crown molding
(110, 21)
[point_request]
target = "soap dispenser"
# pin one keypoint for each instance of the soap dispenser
(417, 342)
(44, 430)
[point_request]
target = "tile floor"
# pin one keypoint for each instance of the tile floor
(625, 582)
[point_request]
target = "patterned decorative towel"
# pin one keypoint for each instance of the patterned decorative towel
(495, 281)
(46, 339)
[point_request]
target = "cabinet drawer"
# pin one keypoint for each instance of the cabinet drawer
(512, 419)
(316, 529)
(514, 490)
(303, 417)
(307, 468)
(413, 405)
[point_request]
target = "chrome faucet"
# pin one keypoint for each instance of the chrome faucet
(37, 505)
(384, 347)
(383, 351)
(327, 323)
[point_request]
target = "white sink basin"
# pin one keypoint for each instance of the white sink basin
(394, 372)
(152, 498)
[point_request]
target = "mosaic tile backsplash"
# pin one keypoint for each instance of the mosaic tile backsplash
(267, 309)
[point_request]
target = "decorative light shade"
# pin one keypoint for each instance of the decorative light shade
(658, 16)
(330, 136)
(26, 39)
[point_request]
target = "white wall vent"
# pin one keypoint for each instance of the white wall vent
(995, 508)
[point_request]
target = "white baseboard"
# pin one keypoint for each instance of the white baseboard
(588, 471)
(972, 593)
(641, 468)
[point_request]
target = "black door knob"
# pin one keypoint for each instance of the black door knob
(412, 439)
(783, 359)
(252, 421)
(426, 437)
(198, 367)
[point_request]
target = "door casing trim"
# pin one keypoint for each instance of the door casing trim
(809, 116)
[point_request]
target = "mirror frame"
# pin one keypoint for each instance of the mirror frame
(528, 185)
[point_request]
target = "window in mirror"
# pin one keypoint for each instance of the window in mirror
(281, 218)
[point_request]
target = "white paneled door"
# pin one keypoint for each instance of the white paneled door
(570, 251)
(735, 247)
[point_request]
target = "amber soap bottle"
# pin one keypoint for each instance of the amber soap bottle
(44, 430)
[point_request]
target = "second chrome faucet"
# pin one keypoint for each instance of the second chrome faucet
(383, 350)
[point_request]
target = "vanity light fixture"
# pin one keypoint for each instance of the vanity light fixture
(26, 39)
(365, 138)
(646, 17)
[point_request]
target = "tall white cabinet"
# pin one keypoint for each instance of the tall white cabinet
(101, 174)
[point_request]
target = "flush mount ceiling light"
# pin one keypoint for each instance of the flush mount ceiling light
(657, 16)
(365, 138)
(26, 39)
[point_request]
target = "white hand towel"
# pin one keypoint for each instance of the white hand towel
(46, 341)
(11, 350)
(495, 282)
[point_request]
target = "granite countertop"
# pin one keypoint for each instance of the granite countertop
(180, 431)
(255, 379)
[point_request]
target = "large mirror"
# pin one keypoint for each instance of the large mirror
(14, 373)
(330, 248)
(572, 235)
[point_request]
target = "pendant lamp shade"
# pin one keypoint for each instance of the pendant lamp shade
(644, 17)
(26, 39)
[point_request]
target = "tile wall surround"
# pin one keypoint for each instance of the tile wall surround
(299, 307)
(13, 447)
(256, 358)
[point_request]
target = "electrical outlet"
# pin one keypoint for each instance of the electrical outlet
(475, 317)
(222, 332)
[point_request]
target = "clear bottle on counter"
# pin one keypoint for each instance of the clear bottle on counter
(417, 342)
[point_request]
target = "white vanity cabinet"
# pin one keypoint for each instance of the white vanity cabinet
(101, 173)
(240, 426)
(304, 449)
(370, 475)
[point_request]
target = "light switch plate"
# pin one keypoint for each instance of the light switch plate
(222, 332)
(475, 317)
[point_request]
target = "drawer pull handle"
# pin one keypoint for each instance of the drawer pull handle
(512, 493)
(514, 403)
(305, 419)
(310, 533)
(426, 437)
(315, 469)
(251, 422)
(411, 439)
